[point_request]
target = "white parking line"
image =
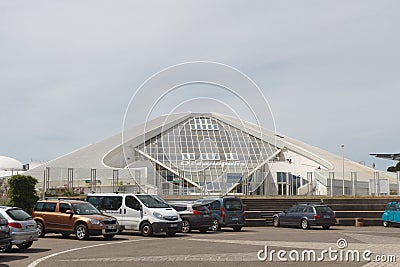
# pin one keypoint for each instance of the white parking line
(36, 262)
(224, 257)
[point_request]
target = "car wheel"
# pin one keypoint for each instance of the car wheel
(40, 228)
(81, 232)
(304, 224)
(146, 229)
(6, 248)
(215, 225)
(203, 230)
(186, 226)
(326, 227)
(109, 236)
(237, 228)
(276, 222)
(386, 224)
(170, 234)
(25, 245)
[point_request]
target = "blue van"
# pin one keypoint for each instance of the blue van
(225, 212)
(391, 214)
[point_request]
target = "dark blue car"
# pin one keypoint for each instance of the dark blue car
(305, 216)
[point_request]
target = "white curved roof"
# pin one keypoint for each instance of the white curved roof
(8, 164)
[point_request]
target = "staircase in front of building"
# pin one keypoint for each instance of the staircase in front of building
(259, 211)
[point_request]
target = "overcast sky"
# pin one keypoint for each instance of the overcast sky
(329, 70)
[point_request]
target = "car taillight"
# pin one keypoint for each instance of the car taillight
(334, 216)
(15, 225)
(223, 212)
(196, 212)
(317, 216)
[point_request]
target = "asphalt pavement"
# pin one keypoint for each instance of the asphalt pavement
(339, 246)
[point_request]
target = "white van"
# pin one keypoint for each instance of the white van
(141, 212)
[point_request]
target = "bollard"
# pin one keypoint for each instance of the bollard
(359, 222)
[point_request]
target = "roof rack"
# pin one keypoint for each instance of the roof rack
(62, 198)
(310, 203)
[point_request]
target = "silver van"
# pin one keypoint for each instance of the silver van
(140, 212)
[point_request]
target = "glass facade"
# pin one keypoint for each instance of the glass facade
(210, 153)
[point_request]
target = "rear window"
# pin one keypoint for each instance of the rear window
(18, 215)
(323, 209)
(45, 206)
(200, 208)
(233, 204)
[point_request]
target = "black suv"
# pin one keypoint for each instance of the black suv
(306, 215)
(194, 216)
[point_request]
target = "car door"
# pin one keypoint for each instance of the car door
(65, 220)
(396, 213)
(297, 215)
(49, 215)
(286, 218)
(391, 211)
(131, 213)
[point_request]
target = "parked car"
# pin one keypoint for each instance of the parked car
(195, 216)
(22, 227)
(391, 214)
(305, 216)
(226, 212)
(67, 216)
(5, 238)
(140, 212)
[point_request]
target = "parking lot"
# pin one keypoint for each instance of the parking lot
(211, 249)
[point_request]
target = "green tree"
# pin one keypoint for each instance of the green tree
(22, 192)
(394, 168)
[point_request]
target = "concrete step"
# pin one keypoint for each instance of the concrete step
(358, 214)
(357, 207)
(366, 221)
(255, 222)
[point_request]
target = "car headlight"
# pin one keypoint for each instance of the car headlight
(94, 221)
(157, 215)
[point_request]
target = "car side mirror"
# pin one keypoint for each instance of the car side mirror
(69, 212)
(285, 211)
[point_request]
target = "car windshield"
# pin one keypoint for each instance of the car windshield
(323, 209)
(85, 209)
(233, 204)
(153, 201)
(18, 215)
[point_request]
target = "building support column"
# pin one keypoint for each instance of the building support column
(115, 181)
(332, 183)
(93, 177)
(354, 183)
(310, 183)
(398, 183)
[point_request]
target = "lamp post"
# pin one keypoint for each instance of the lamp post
(342, 146)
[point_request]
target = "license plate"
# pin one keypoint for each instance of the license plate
(235, 219)
(111, 227)
(30, 227)
(173, 225)
(327, 217)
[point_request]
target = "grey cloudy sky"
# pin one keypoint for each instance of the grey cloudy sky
(330, 70)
